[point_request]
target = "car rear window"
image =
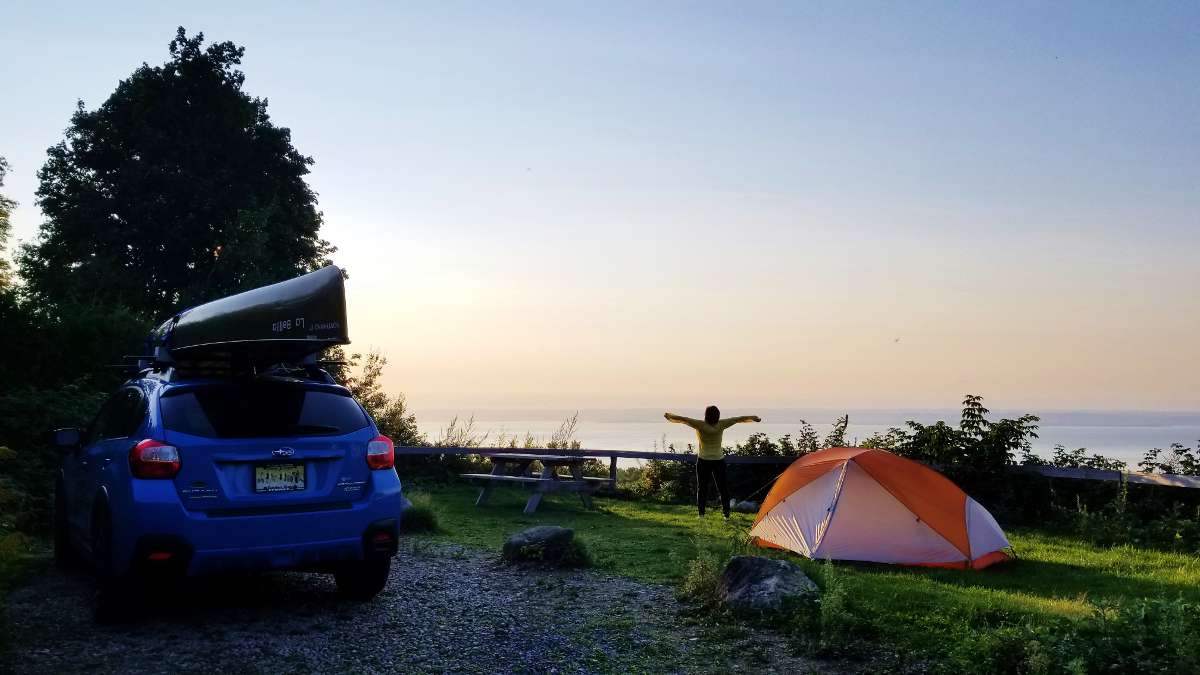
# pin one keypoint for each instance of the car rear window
(260, 410)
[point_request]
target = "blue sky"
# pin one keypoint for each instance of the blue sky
(574, 204)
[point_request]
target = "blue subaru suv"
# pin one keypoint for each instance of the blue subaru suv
(190, 469)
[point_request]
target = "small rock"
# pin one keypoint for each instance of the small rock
(544, 543)
(744, 506)
(760, 584)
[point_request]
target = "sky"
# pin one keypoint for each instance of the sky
(578, 204)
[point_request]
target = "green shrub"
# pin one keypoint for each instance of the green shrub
(836, 621)
(420, 516)
(701, 582)
(1147, 635)
(1178, 459)
(577, 555)
(27, 465)
(825, 624)
(1001, 649)
(20, 509)
(1078, 459)
(667, 480)
(1139, 636)
(1173, 527)
(761, 445)
(17, 551)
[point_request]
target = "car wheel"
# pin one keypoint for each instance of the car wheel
(116, 598)
(64, 553)
(364, 579)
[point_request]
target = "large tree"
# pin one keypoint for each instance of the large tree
(178, 189)
(6, 207)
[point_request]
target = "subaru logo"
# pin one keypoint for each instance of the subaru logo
(283, 452)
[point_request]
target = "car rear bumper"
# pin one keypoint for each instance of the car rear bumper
(215, 542)
(315, 555)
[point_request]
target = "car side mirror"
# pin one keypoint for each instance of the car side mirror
(67, 439)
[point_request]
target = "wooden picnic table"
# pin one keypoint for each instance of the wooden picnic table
(517, 468)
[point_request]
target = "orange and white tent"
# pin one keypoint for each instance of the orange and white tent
(871, 505)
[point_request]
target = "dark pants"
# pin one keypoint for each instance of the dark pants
(706, 470)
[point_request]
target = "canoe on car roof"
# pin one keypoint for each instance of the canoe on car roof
(285, 321)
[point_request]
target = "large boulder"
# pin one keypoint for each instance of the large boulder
(762, 584)
(545, 544)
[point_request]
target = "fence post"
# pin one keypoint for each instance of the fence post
(612, 473)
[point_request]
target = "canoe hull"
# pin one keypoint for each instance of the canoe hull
(285, 321)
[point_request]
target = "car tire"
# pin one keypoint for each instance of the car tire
(65, 556)
(117, 599)
(364, 579)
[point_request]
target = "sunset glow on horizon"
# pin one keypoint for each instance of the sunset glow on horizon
(577, 205)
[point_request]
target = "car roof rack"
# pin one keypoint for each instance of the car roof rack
(216, 368)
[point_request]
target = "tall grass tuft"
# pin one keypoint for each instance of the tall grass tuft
(701, 582)
(577, 555)
(835, 620)
(420, 516)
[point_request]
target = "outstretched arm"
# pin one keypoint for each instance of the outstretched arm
(680, 419)
(730, 421)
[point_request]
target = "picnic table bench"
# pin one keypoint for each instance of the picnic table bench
(516, 468)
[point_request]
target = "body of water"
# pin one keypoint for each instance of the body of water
(1124, 435)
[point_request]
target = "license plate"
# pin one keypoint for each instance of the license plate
(278, 477)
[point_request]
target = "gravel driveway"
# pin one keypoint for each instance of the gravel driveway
(445, 610)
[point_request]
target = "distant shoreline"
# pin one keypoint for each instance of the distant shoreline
(815, 416)
(1123, 435)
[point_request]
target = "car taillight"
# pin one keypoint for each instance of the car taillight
(154, 459)
(381, 454)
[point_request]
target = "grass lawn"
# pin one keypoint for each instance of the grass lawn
(1054, 576)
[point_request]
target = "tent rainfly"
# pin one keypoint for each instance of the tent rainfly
(870, 505)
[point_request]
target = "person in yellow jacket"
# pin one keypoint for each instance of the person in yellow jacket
(710, 462)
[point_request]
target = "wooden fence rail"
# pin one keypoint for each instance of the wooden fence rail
(1161, 479)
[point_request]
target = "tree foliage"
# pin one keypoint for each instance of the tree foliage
(976, 442)
(6, 208)
(391, 413)
(27, 470)
(761, 445)
(176, 190)
(81, 344)
(887, 440)
(807, 439)
(1073, 459)
(837, 435)
(1178, 459)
